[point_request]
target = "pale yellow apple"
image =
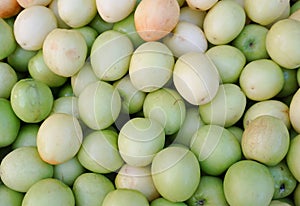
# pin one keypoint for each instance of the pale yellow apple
(202, 4)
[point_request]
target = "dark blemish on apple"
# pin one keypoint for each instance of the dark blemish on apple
(282, 188)
(200, 202)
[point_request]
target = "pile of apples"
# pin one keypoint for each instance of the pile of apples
(150, 102)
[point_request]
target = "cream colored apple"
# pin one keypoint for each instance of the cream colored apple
(295, 111)
(283, 43)
(202, 4)
(265, 12)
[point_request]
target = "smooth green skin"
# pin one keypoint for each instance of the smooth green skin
(125, 197)
(65, 90)
(280, 203)
(285, 182)
(26, 136)
(49, 192)
(164, 202)
(229, 61)
(295, 7)
(99, 105)
(290, 85)
(191, 124)
(248, 183)
(68, 171)
(209, 192)
(266, 140)
(132, 99)
(216, 149)
(19, 59)
(110, 55)
(292, 157)
(261, 79)
(252, 42)
(89, 34)
(91, 154)
(298, 76)
(296, 195)
(139, 140)
(10, 197)
(169, 169)
(127, 27)
(38, 70)
(226, 108)
(167, 107)
(23, 167)
(237, 132)
(31, 100)
(8, 77)
(7, 40)
(100, 25)
(67, 105)
(91, 189)
(9, 123)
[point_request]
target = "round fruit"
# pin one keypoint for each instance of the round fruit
(125, 197)
(8, 77)
(292, 157)
(294, 110)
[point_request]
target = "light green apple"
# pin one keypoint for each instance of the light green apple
(261, 79)
(292, 157)
(26, 136)
(164, 202)
(8, 42)
(8, 77)
(294, 111)
(223, 22)
(216, 149)
(252, 42)
(91, 188)
(290, 85)
(295, 7)
(266, 139)
(10, 197)
(228, 60)
(248, 183)
(125, 197)
(285, 182)
(282, 43)
(296, 195)
(298, 76)
(209, 192)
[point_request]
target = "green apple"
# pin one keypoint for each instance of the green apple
(19, 59)
(294, 110)
(91, 154)
(191, 15)
(266, 139)
(297, 195)
(223, 22)
(54, 7)
(9, 123)
(26, 136)
(280, 203)
(68, 171)
(261, 79)
(8, 42)
(151, 66)
(66, 105)
(89, 34)
(164, 202)
(265, 12)
(298, 76)
(65, 90)
(270, 107)
(31, 100)
(216, 149)
(167, 107)
(252, 42)
(48, 192)
(8, 78)
(282, 43)
(292, 157)
(191, 124)
(23, 167)
(132, 98)
(137, 178)
(237, 132)
(110, 55)
(99, 105)
(169, 170)
(91, 188)
(59, 138)
(186, 37)
(201, 5)
(228, 60)
(248, 183)
(285, 182)
(139, 140)
(125, 197)
(10, 197)
(100, 25)
(209, 192)
(290, 85)
(219, 110)
(127, 27)
(196, 78)
(38, 70)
